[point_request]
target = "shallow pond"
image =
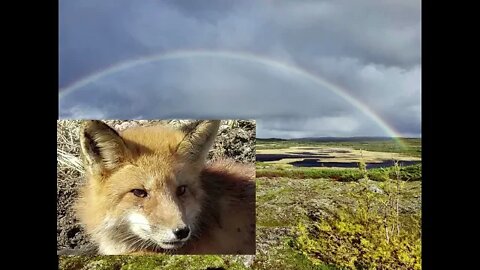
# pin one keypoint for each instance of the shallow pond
(318, 163)
(276, 157)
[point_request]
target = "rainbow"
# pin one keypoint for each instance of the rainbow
(238, 56)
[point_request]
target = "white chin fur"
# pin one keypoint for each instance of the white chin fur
(171, 246)
(139, 225)
(164, 236)
(167, 240)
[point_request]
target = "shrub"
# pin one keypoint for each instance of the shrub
(350, 176)
(407, 173)
(366, 235)
(378, 175)
(362, 167)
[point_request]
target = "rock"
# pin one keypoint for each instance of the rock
(375, 189)
(236, 140)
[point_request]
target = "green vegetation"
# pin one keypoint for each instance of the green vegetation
(320, 222)
(150, 262)
(407, 173)
(285, 257)
(372, 234)
(333, 218)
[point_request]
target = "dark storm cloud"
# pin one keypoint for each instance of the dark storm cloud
(369, 48)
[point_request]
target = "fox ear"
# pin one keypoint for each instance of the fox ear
(102, 147)
(199, 138)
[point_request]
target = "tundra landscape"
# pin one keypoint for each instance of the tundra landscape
(339, 203)
(321, 204)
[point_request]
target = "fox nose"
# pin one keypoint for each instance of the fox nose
(182, 232)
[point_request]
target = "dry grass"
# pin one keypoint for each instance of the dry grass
(69, 164)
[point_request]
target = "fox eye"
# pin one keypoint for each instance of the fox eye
(181, 190)
(139, 193)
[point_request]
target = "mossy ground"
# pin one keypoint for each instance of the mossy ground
(148, 262)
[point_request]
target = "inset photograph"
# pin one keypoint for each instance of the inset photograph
(155, 186)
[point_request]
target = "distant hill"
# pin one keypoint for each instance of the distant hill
(333, 139)
(271, 139)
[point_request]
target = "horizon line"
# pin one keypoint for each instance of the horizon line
(342, 137)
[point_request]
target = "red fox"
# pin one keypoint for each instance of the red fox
(151, 190)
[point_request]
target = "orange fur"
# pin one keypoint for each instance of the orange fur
(218, 204)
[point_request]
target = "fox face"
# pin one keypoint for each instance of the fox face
(143, 186)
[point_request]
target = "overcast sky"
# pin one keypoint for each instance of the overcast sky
(253, 59)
